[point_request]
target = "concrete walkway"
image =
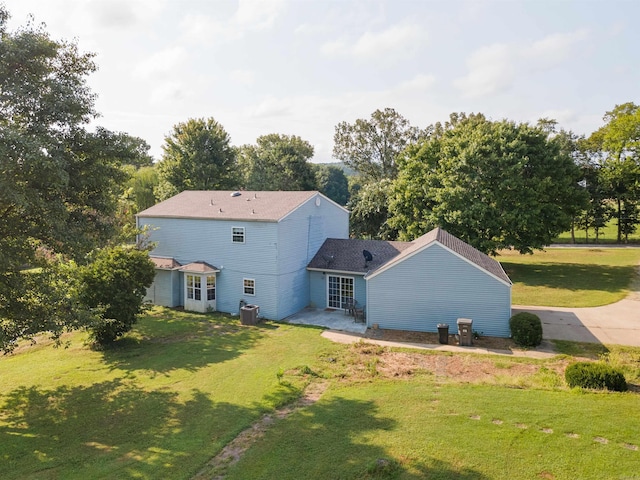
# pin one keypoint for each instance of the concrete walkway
(543, 351)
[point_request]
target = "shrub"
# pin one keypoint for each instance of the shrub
(526, 329)
(114, 284)
(595, 375)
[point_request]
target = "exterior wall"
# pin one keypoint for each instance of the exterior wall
(164, 290)
(300, 235)
(318, 286)
(191, 240)
(275, 255)
(435, 286)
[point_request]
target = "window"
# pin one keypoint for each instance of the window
(237, 234)
(211, 287)
(194, 287)
(249, 286)
(340, 291)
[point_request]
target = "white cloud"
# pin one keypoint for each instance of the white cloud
(553, 49)
(419, 82)
(396, 41)
(166, 92)
(490, 70)
(243, 77)
(160, 63)
(493, 69)
(258, 14)
(251, 15)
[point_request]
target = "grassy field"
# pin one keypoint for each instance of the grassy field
(571, 277)
(181, 386)
(157, 406)
(608, 234)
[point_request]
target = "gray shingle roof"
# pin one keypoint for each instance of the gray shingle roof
(346, 254)
(249, 205)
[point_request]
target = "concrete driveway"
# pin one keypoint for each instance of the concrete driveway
(618, 323)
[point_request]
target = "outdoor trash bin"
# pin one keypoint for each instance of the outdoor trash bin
(249, 314)
(464, 332)
(443, 333)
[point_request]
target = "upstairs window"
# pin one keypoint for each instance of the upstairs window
(237, 234)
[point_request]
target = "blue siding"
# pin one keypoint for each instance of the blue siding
(435, 286)
(274, 254)
(318, 285)
(318, 290)
(191, 240)
(300, 235)
(165, 289)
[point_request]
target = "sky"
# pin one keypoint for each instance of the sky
(300, 67)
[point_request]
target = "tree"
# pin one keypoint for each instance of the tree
(618, 144)
(371, 147)
(493, 184)
(277, 162)
(142, 184)
(114, 285)
(59, 184)
(332, 182)
(197, 155)
(369, 211)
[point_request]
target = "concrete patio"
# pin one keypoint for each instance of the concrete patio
(329, 318)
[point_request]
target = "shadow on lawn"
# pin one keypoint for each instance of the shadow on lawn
(178, 340)
(112, 429)
(335, 438)
(570, 276)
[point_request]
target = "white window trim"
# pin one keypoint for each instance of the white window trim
(244, 287)
(234, 234)
(340, 277)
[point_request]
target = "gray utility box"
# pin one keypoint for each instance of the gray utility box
(465, 332)
(249, 314)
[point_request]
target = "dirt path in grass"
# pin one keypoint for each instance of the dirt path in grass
(216, 468)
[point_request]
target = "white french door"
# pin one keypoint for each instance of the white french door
(339, 291)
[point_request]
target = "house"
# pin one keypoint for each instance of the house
(216, 249)
(416, 285)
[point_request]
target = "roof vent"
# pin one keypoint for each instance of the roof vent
(235, 194)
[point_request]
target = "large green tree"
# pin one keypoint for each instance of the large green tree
(617, 144)
(371, 146)
(493, 184)
(59, 184)
(277, 162)
(197, 155)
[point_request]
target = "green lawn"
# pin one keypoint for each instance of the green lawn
(450, 431)
(608, 234)
(181, 386)
(571, 277)
(158, 406)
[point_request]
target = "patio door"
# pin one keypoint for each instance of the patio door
(339, 291)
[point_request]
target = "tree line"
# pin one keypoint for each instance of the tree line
(495, 184)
